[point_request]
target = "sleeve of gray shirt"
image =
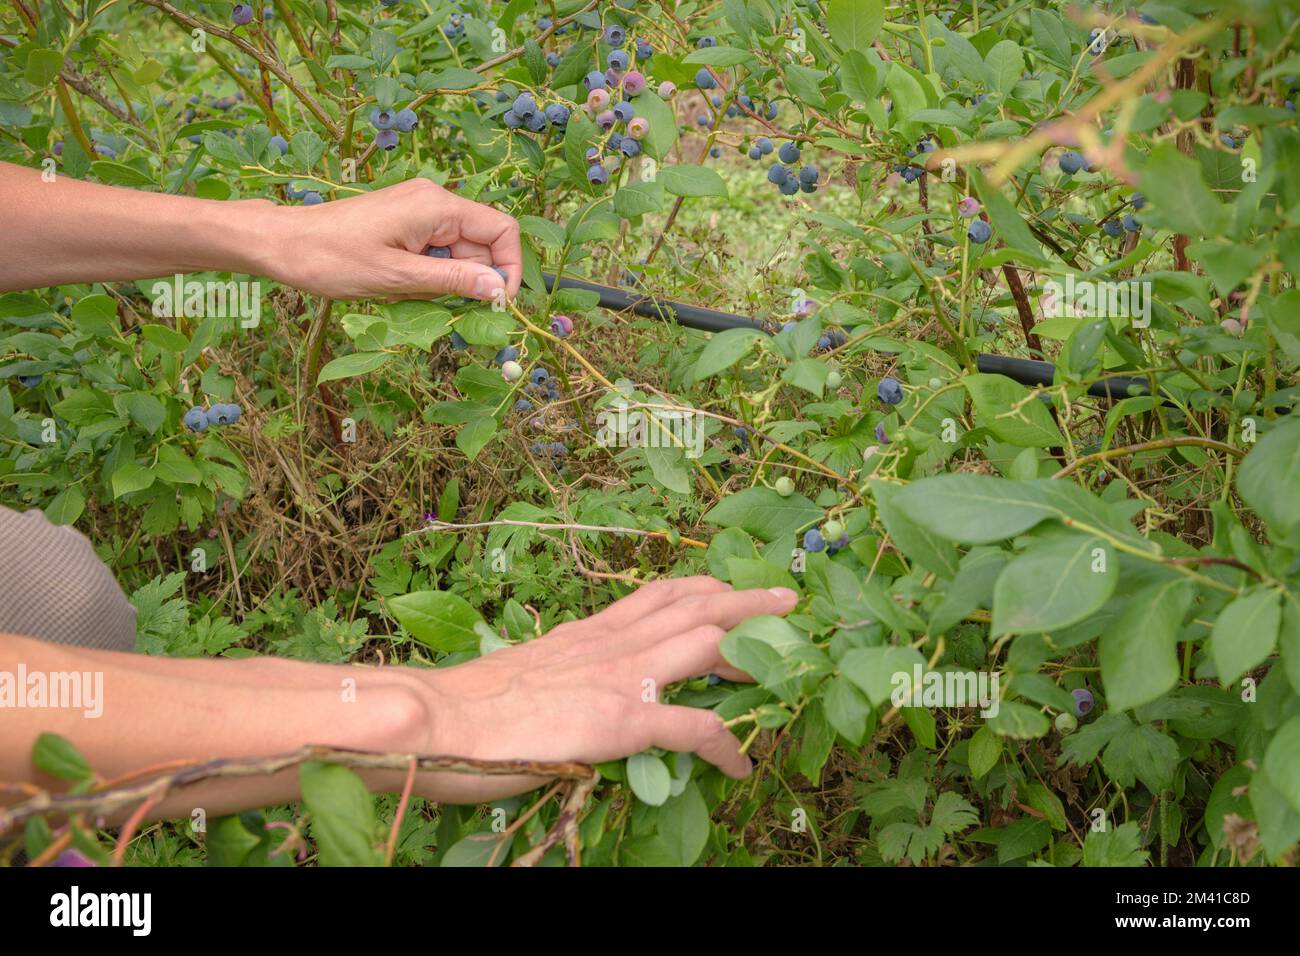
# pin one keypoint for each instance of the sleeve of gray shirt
(54, 587)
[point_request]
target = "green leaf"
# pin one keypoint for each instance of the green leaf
(438, 619)
(659, 141)
(1018, 721)
(981, 509)
(1011, 412)
(1178, 196)
(1007, 222)
(1006, 64)
(764, 514)
(719, 56)
(881, 671)
(1282, 761)
(668, 464)
(1268, 479)
(343, 815)
(683, 180)
(58, 757)
(167, 339)
(352, 364)
(1141, 752)
(477, 849)
(1245, 633)
(921, 545)
(683, 823)
(1054, 584)
(129, 477)
(176, 467)
(724, 350)
(649, 779)
(1139, 650)
(854, 24)
(1114, 846)
(67, 506)
(474, 435)
(985, 749)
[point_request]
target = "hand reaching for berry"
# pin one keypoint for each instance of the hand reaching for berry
(372, 245)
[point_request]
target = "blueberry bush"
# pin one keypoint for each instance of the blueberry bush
(895, 191)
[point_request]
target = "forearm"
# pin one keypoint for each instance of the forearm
(160, 710)
(68, 231)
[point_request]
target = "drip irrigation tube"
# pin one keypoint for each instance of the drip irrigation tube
(1024, 371)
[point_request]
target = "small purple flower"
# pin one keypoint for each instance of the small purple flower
(430, 517)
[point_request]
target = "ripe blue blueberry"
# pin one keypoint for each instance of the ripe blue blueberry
(979, 231)
(702, 120)
(1072, 162)
(386, 139)
(382, 119)
(30, 381)
(196, 419)
(507, 354)
(523, 405)
(755, 153)
(524, 105)
(881, 435)
(808, 175)
(764, 145)
(889, 391)
(539, 375)
(606, 119)
(615, 35)
(624, 111)
(715, 151)
(1138, 200)
(312, 198)
(505, 276)
(219, 414)
(406, 120)
(704, 79)
(789, 187)
(595, 80)
(776, 173)
(1131, 224)
(1083, 702)
(927, 146)
(772, 111)
(629, 147)
(597, 174)
(511, 119)
(813, 540)
(557, 114)
(241, 15)
(552, 59)
(593, 154)
(644, 50)
(279, 142)
(1113, 228)
(789, 153)
(703, 42)
(544, 24)
(618, 60)
(458, 341)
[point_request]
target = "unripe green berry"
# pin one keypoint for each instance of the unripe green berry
(512, 371)
(1066, 723)
(936, 383)
(833, 379)
(833, 530)
(785, 486)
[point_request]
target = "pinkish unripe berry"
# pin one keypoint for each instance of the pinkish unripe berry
(633, 82)
(637, 127)
(597, 100)
(667, 88)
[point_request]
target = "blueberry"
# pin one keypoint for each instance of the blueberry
(386, 139)
(889, 391)
(544, 24)
(764, 145)
(702, 120)
(1066, 723)
(552, 59)
(644, 50)
(293, 192)
(524, 105)
(557, 114)
(539, 375)
(606, 120)
(552, 390)
(312, 198)
(561, 325)
(1131, 224)
(511, 119)
(30, 381)
(615, 35)
(598, 174)
(755, 153)
(715, 151)
(241, 15)
(776, 173)
(969, 206)
(438, 252)
(785, 486)
(979, 231)
(1113, 228)
(623, 111)
(667, 88)
(1071, 163)
(618, 60)
(219, 414)
(813, 540)
(833, 530)
(704, 79)
(382, 119)
(279, 142)
(1083, 702)
(595, 80)
(789, 153)
(629, 147)
(772, 111)
(108, 152)
(507, 354)
(512, 371)
(505, 276)
(834, 379)
(703, 42)
(633, 82)
(789, 187)
(406, 120)
(458, 342)
(926, 146)
(808, 175)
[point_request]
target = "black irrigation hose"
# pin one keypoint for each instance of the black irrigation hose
(1024, 371)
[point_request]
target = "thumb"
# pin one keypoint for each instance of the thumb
(424, 274)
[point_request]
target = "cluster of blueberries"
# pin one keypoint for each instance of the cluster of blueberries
(197, 419)
(455, 27)
(830, 537)
(556, 451)
(542, 385)
(782, 174)
(389, 123)
(525, 113)
(910, 171)
(1117, 227)
(1067, 722)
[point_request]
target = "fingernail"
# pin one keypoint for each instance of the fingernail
(485, 287)
(785, 594)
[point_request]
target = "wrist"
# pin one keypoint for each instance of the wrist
(255, 238)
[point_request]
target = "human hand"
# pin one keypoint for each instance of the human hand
(372, 245)
(576, 693)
